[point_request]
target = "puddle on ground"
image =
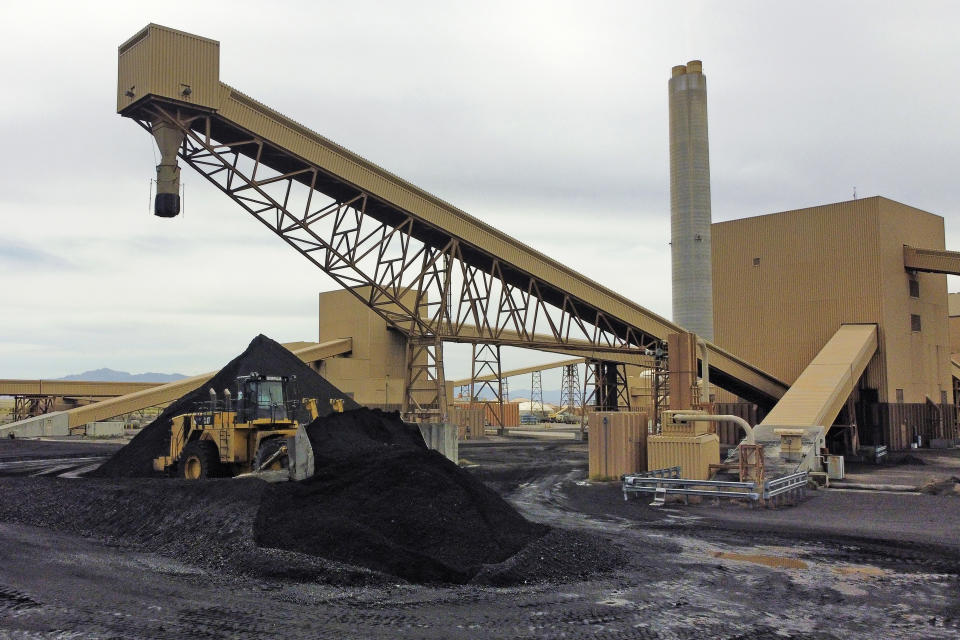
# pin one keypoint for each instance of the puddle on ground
(777, 562)
(854, 570)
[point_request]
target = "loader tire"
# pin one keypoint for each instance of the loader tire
(200, 459)
(268, 448)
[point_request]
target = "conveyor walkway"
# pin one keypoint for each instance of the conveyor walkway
(822, 389)
(170, 80)
(60, 422)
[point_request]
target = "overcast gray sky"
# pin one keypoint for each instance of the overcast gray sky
(545, 119)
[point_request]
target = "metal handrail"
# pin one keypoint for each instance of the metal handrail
(667, 482)
(682, 482)
(784, 484)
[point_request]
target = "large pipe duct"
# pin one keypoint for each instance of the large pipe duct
(690, 200)
(169, 139)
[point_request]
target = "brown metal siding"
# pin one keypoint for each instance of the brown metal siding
(813, 275)
(902, 423)
(917, 362)
(617, 444)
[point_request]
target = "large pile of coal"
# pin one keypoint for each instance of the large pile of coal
(263, 355)
(380, 499)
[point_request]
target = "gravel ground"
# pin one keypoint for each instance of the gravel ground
(677, 572)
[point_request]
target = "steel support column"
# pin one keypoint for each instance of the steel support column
(485, 361)
(425, 394)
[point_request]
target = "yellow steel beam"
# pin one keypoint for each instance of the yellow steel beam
(169, 392)
(544, 342)
(726, 370)
(519, 372)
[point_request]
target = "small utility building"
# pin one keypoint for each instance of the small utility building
(784, 283)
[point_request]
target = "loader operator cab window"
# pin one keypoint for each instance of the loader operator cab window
(269, 399)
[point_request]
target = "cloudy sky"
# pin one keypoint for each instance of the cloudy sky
(545, 119)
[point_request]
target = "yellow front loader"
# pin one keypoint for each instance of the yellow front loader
(256, 433)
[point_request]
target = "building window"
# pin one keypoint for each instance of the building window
(899, 396)
(756, 262)
(914, 287)
(915, 325)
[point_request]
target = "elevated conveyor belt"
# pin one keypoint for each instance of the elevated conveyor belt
(517, 372)
(168, 81)
(101, 389)
(60, 422)
(817, 396)
(71, 388)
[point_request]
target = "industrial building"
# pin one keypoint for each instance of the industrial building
(784, 283)
(417, 272)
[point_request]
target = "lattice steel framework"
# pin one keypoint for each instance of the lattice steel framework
(571, 394)
(661, 387)
(28, 406)
(425, 397)
(605, 386)
(536, 393)
(362, 242)
(485, 361)
(752, 467)
(422, 279)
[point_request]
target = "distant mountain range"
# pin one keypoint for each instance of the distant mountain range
(109, 375)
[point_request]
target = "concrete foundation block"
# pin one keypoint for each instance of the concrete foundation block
(105, 429)
(441, 437)
(46, 425)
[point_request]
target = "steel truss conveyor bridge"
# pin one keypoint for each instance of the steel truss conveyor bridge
(428, 268)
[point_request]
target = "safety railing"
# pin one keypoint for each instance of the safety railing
(666, 482)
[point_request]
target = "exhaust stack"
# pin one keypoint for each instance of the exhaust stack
(690, 200)
(169, 139)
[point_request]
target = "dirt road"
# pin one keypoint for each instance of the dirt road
(685, 572)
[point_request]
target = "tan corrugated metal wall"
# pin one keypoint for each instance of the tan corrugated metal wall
(617, 444)
(785, 282)
(469, 422)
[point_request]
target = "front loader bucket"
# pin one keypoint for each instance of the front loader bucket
(300, 455)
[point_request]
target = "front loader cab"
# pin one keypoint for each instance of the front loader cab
(261, 397)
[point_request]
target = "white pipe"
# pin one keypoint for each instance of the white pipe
(690, 417)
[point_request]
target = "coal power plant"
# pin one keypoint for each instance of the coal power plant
(781, 458)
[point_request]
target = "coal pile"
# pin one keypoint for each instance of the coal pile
(263, 355)
(381, 500)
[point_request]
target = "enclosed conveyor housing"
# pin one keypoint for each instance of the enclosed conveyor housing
(59, 423)
(795, 430)
(372, 231)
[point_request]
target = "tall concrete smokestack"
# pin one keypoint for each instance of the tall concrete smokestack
(690, 200)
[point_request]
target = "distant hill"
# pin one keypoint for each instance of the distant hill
(109, 375)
